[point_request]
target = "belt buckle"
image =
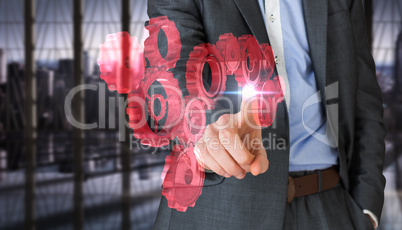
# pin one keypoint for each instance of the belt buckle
(291, 190)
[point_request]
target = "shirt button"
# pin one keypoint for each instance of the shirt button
(272, 18)
(277, 60)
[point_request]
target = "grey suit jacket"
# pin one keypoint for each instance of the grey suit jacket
(340, 54)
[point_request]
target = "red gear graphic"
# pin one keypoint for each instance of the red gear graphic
(268, 61)
(206, 53)
(152, 51)
(121, 62)
(267, 104)
(230, 49)
(251, 61)
(280, 92)
(152, 100)
(174, 114)
(267, 101)
(183, 177)
(193, 124)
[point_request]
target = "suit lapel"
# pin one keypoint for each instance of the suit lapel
(316, 19)
(315, 16)
(255, 21)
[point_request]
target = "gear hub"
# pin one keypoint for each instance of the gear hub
(162, 126)
(157, 101)
(193, 124)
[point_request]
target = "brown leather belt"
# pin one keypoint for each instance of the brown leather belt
(312, 183)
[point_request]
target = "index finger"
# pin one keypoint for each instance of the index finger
(231, 141)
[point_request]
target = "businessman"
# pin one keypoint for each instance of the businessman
(327, 171)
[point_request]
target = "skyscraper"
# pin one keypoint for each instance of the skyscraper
(45, 80)
(3, 67)
(87, 64)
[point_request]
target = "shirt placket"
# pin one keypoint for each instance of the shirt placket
(274, 29)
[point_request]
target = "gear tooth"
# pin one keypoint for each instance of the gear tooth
(182, 209)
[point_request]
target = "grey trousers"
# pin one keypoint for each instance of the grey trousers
(330, 209)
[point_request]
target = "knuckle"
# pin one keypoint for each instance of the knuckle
(208, 131)
(244, 159)
(234, 170)
(226, 133)
(223, 120)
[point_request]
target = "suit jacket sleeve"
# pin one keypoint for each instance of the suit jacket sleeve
(366, 179)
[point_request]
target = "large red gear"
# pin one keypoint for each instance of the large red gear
(249, 71)
(202, 54)
(174, 111)
(152, 51)
(230, 49)
(193, 124)
(183, 177)
(121, 62)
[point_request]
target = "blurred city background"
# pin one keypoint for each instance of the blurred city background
(116, 187)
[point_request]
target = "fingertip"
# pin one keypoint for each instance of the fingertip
(264, 167)
(255, 169)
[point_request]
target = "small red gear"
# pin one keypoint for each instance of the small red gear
(183, 178)
(152, 51)
(151, 106)
(267, 104)
(193, 124)
(268, 60)
(157, 137)
(251, 62)
(280, 91)
(230, 49)
(121, 62)
(202, 54)
(267, 101)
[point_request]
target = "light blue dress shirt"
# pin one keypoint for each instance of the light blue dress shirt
(306, 152)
